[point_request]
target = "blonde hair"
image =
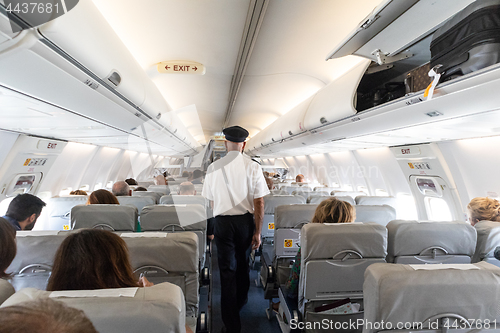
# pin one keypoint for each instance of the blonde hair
(333, 210)
(484, 209)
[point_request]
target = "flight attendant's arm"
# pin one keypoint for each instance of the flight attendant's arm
(258, 218)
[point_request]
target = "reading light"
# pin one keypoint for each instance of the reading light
(434, 114)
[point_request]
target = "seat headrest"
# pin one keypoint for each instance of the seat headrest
(165, 189)
(118, 217)
(371, 200)
(396, 293)
(352, 194)
(378, 214)
(160, 308)
(155, 195)
(183, 200)
(273, 201)
(412, 237)
(290, 216)
(190, 217)
(488, 238)
(324, 240)
(138, 202)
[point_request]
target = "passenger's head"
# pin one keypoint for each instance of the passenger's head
(300, 178)
(197, 174)
(266, 174)
(121, 189)
(185, 174)
(270, 184)
(44, 316)
(25, 209)
(102, 197)
(187, 188)
(131, 181)
(78, 192)
(7, 246)
(140, 188)
(91, 259)
(333, 210)
(483, 209)
(160, 180)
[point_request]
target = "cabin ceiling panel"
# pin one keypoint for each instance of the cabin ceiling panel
(207, 31)
(288, 61)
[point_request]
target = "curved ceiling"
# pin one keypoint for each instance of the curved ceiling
(287, 64)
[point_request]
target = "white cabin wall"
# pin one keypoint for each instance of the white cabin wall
(347, 170)
(7, 139)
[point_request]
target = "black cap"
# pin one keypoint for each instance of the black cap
(235, 134)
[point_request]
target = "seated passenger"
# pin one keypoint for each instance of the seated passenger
(266, 174)
(8, 246)
(102, 197)
(185, 174)
(270, 184)
(160, 180)
(93, 259)
(121, 189)
(140, 188)
(197, 177)
(23, 211)
(186, 188)
(483, 209)
(131, 181)
(300, 178)
(78, 192)
(44, 316)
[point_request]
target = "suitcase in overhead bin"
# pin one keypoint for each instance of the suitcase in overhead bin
(418, 79)
(469, 41)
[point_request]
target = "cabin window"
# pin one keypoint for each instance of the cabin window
(407, 207)
(335, 184)
(65, 191)
(381, 193)
(438, 209)
(4, 205)
(348, 188)
(85, 187)
(363, 189)
(97, 186)
(109, 184)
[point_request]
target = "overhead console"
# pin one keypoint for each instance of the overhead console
(394, 44)
(77, 62)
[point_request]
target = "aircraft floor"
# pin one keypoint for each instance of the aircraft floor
(253, 315)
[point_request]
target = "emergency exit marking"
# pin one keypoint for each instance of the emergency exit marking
(270, 226)
(288, 242)
(66, 227)
(51, 145)
(35, 162)
(181, 67)
(27, 162)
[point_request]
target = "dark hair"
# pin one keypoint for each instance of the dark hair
(185, 174)
(78, 192)
(23, 206)
(91, 259)
(140, 188)
(8, 246)
(197, 174)
(186, 187)
(44, 316)
(333, 210)
(131, 181)
(102, 197)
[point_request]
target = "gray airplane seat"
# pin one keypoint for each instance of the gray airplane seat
(160, 308)
(164, 189)
(352, 194)
(6, 290)
(279, 192)
(373, 200)
(325, 188)
(146, 184)
(177, 218)
(32, 265)
(155, 195)
(138, 202)
(316, 199)
(378, 214)
(270, 204)
(56, 215)
(334, 258)
(108, 217)
(276, 264)
(168, 257)
(488, 238)
(414, 242)
(308, 193)
(431, 298)
(183, 200)
(289, 188)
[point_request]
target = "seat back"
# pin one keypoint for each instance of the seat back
(373, 201)
(155, 195)
(416, 242)
(308, 193)
(159, 308)
(270, 204)
(183, 200)
(342, 250)
(32, 265)
(402, 295)
(325, 188)
(316, 199)
(137, 202)
(279, 192)
(177, 218)
(488, 238)
(108, 217)
(167, 257)
(352, 194)
(164, 189)
(6, 290)
(146, 184)
(378, 214)
(289, 220)
(56, 216)
(289, 189)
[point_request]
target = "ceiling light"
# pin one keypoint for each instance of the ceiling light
(434, 114)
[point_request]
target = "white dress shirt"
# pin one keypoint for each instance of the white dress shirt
(232, 183)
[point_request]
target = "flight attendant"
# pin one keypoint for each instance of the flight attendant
(236, 188)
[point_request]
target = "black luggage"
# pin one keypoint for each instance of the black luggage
(469, 41)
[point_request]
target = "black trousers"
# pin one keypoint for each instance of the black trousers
(233, 236)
